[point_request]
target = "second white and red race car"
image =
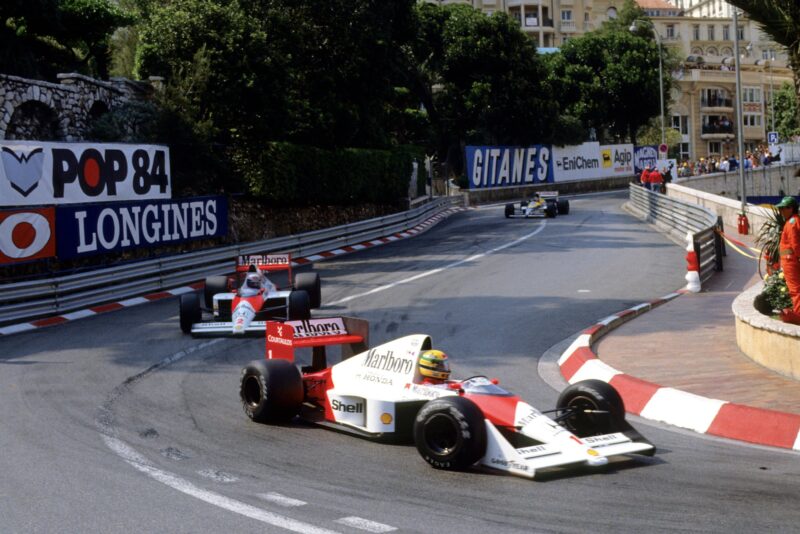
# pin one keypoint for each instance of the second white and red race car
(241, 304)
(381, 394)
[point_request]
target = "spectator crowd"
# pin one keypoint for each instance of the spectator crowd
(760, 157)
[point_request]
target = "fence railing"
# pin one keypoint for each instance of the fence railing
(677, 218)
(62, 294)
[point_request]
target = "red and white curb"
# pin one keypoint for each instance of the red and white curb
(127, 303)
(672, 406)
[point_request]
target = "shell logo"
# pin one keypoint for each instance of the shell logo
(386, 418)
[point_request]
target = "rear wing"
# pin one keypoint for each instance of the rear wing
(283, 337)
(265, 262)
(548, 194)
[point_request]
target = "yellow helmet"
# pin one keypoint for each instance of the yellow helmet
(433, 364)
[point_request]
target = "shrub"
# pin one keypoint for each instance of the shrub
(776, 292)
(284, 173)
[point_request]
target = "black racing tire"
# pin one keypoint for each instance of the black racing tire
(214, 285)
(450, 433)
(509, 210)
(563, 206)
(298, 306)
(309, 282)
(551, 210)
(189, 308)
(591, 408)
(271, 390)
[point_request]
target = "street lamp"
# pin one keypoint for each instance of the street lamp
(635, 29)
(739, 121)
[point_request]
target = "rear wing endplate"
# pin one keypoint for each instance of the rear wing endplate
(265, 262)
(282, 338)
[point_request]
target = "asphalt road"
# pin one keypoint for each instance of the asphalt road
(118, 423)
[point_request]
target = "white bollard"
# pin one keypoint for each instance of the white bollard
(692, 266)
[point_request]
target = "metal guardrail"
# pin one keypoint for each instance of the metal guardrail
(63, 294)
(678, 218)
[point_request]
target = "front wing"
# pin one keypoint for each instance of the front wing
(526, 461)
(225, 328)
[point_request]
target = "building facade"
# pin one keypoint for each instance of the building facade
(701, 104)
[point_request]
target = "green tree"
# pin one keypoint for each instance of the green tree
(39, 38)
(780, 19)
(786, 112)
(480, 80)
(609, 80)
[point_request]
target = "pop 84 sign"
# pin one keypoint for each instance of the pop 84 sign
(34, 173)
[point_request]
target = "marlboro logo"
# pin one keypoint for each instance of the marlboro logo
(333, 326)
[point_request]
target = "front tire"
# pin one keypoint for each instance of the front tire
(450, 433)
(309, 282)
(298, 306)
(214, 285)
(189, 307)
(271, 390)
(592, 408)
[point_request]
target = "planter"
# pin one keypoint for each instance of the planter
(767, 341)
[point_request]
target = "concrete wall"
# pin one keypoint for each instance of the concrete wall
(44, 111)
(726, 208)
(763, 181)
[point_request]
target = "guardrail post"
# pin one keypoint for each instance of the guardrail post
(719, 244)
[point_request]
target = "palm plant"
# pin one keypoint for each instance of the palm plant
(769, 239)
(780, 19)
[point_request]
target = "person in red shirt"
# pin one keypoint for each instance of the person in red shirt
(790, 256)
(645, 177)
(656, 180)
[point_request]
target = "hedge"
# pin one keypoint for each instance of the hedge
(285, 173)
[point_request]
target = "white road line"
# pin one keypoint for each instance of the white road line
(184, 486)
(281, 500)
(440, 269)
(365, 524)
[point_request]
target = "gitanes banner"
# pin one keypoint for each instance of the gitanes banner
(489, 167)
(506, 166)
(39, 173)
(98, 228)
(27, 235)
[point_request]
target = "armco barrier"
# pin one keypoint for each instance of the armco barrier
(62, 294)
(677, 218)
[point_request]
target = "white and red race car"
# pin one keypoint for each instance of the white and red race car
(241, 304)
(379, 394)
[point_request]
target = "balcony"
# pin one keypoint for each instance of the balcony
(534, 24)
(568, 26)
(716, 103)
(717, 131)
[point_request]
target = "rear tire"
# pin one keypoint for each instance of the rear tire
(189, 311)
(450, 433)
(509, 210)
(214, 285)
(271, 390)
(298, 307)
(309, 282)
(584, 399)
(563, 206)
(550, 210)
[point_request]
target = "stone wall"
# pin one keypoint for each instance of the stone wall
(44, 111)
